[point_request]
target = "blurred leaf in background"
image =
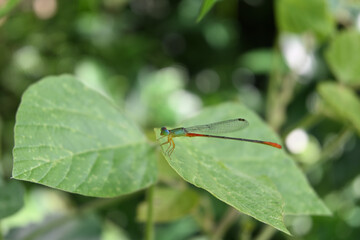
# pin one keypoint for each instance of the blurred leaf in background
(343, 56)
(343, 101)
(297, 16)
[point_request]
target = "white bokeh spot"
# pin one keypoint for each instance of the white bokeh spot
(297, 141)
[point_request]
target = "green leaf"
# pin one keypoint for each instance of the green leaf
(70, 137)
(11, 198)
(343, 101)
(343, 56)
(169, 204)
(299, 16)
(205, 8)
(258, 180)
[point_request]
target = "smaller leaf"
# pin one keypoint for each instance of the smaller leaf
(205, 8)
(11, 198)
(170, 204)
(259, 181)
(343, 56)
(343, 101)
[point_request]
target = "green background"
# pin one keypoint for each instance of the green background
(283, 65)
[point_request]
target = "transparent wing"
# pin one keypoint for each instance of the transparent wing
(219, 127)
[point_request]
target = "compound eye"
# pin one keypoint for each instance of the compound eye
(164, 131)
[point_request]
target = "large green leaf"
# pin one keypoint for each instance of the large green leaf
(258, 180)
(342, 101)
(169, 204)
(11, 197)
(69, 137)
(299, 16)
(343, 56)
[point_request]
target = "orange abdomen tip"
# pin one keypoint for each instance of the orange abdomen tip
(273, 144)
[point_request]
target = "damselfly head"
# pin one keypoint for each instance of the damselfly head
(164, 131)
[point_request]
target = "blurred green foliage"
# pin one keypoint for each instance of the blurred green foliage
(154, 60)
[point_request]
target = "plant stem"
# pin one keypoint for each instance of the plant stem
(150, 217)
(229, 218)
(279, 93)
(8, 6)
(283, 95)
(272, 90)
(266, 233)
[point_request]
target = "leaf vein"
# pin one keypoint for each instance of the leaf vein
(57, 126)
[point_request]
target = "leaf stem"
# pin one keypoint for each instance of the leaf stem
(8, 7)
(281, 98)
(274, 85)
(229, 218)
(279, 93)
(150, 217)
